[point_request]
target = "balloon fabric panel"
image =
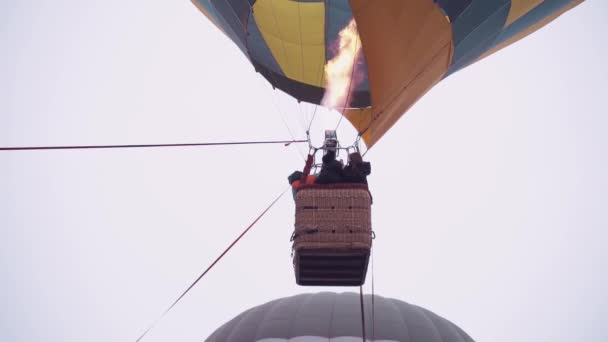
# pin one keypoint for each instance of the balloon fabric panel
(336, 317)
(408, 47)
(532, 21)
(294, 32)
(519, 8)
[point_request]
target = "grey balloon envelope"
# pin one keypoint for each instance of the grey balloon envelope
(336, 317)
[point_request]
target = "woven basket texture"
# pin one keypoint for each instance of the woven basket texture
(333, 218)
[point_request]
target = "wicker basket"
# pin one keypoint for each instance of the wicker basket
(333, 235)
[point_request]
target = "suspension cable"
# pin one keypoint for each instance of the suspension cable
(277, 104)
(274, 80)
(276, 100)
(373, 309)
(23, 148)
(314, 114)
(212, 264)
(302, 59)
(282, 117)
(362, 313)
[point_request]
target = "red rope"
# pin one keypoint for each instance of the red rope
(285, 142)
(309, 160)
(212, 264)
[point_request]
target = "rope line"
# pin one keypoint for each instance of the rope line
(274, 80)
(373, 307)
(277, 105)
(322, 77)
(314, 114)
(362, 312)
(246, 28)
(212, 264)
(24, 148)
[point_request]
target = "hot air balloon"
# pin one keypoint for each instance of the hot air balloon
(336, 317)
(372, 60)
(407, 46)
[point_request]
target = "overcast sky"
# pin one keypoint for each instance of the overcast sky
(490, 195)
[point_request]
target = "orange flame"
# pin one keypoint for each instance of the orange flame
(340, 70)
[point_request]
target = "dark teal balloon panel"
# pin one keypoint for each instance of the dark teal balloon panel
(475, 30)
(538, 14)
(480, 25)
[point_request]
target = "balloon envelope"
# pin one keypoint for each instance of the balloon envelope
(408, 45)
(337, 317)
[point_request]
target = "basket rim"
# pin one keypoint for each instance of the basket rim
(334, 186)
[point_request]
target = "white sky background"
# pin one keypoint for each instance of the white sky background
(490, 194)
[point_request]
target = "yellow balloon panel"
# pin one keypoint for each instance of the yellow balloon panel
(295, 34)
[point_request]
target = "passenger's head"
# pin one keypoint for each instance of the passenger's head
(355, 158)
(329, 157)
